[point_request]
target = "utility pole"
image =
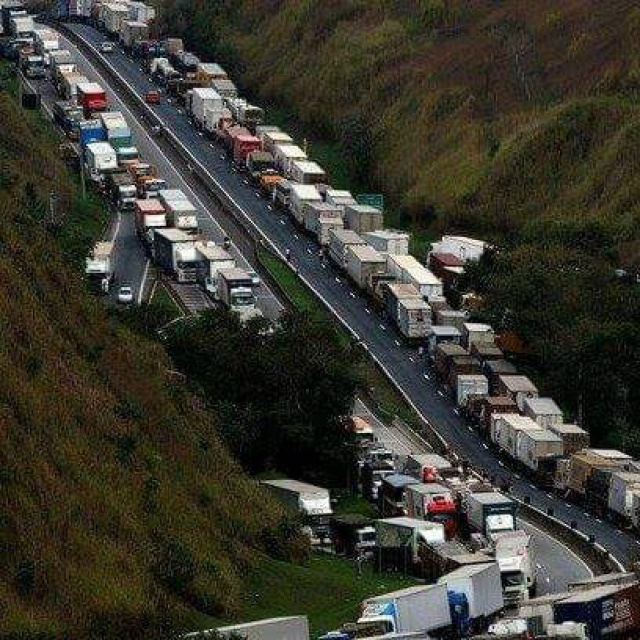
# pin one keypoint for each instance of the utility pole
(53, 199)
(83, 179)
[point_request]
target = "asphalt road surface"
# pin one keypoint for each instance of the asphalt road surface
(555, 565)
(131, 262)
(410, 373)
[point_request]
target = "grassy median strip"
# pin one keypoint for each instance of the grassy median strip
(376, 387)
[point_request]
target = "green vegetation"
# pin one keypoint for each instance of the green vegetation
(120, 506)
(511, 121)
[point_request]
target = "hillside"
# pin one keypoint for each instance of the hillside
(450, 95)
(514, 121)
(119, 504)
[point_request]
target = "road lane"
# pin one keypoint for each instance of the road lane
(400, 363)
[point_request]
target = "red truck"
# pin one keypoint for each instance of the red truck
(243, 145)
(92, 98)
(432, 502)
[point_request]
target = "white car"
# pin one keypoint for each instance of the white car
(107, 47)
(255, 278)
(125, 295)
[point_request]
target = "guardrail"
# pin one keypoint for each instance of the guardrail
(593, 553)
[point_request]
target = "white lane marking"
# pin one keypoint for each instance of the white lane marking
(337, 280)
(116, 231)
(269, 207)
(142, 283)
(499, 461)
(440, 393)
(383, 327)
(368, 310)
(353, 295)
(397, 342)
(154, 144)
(222, 156)
(296, 236)
(428, 377)
(425, 376)
(282, 222)
(485, 446)
(412, 359)
(456, 411)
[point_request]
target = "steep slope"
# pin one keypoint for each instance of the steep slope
(447, 93)
(119, 506)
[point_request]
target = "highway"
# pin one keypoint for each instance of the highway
(555, 565)
(403, 365)
(132, 264)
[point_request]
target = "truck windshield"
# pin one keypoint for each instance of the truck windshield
(511, 579)
(242, 299)
(372, 629)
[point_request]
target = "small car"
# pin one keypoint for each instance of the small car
(255, 278)
(125, 295)
(107, 47)
(152, 97)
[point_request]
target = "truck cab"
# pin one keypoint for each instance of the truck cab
(513, 555)
(236, 291)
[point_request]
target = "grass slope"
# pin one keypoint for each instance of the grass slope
(120, 507)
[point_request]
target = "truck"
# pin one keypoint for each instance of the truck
(481, 588)
(150, 216)
(301, 195)
(422, 608)
(203, 99)
(311, 502)
(260, 162)
(426, 467)
(122, 190)
(490, 513)
(92, 98)
(414, 319)
(235, 291)
(512, 551)
(405, 535)
(287, 628)
(175, 251)
(432, 502)
(363, 264)
(391, 494)
(99, 266)
(214, 258)
(608, 611)
(68, 85)
(117, 131)
(372, 473)
(352, 534)
(33, 66)
(181, 214)
(68, 116)
(89, 131)
(100, 159)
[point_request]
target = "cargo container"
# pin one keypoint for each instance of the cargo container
(544, 411)
(100, 159)
(438, 559)
(363, 263)
(90, 131)
(361, 218)
(339, 198)
(621, 491)
(141, 12)
(132, 32)
(68, 85)
(58, 58)
(174, 45)
(117, 131)
(391, 494)
(485, 410)
(181, 214)
(451, 318)
(388, 241)
(584, 462)
(306, 172)
(352, 534)
(113, 15)
(482, 587)
(407, 533)
(339, 241)
(91, 97)
(598, 486)
(150, 215)
(462, 366)
(260, 163)
(301, 195)
(506, 429)
(312, 502)
(423, 608)
(208, 71)
(460, 246)
(393, 292)
(443, 355)
(473, 332)
(408, 270)
(172, 252)
(608, 611)
(414, 319)
(99, 266)
(573, 437)
(517, 387)
(21, 25)
(317, 210)
(324, 228)
(433, 502)
(485, 351)
(288, 628)
(447, 266)
(202, 100)
(272, 138)
(214, 259)
(470, 385)
(185, 62)
(534, 445)
(285, 154)
(491, 513)
(441, 335)
(243, 145)
(493, 369)
(224, 87)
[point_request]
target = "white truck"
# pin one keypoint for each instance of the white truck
(235, 290)
(300, 196)
(420, 608)
(490, 513)
(481, 586)
(512, 551)
(181, 214)
(311, 502)
(99, 266)
(100, 158)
